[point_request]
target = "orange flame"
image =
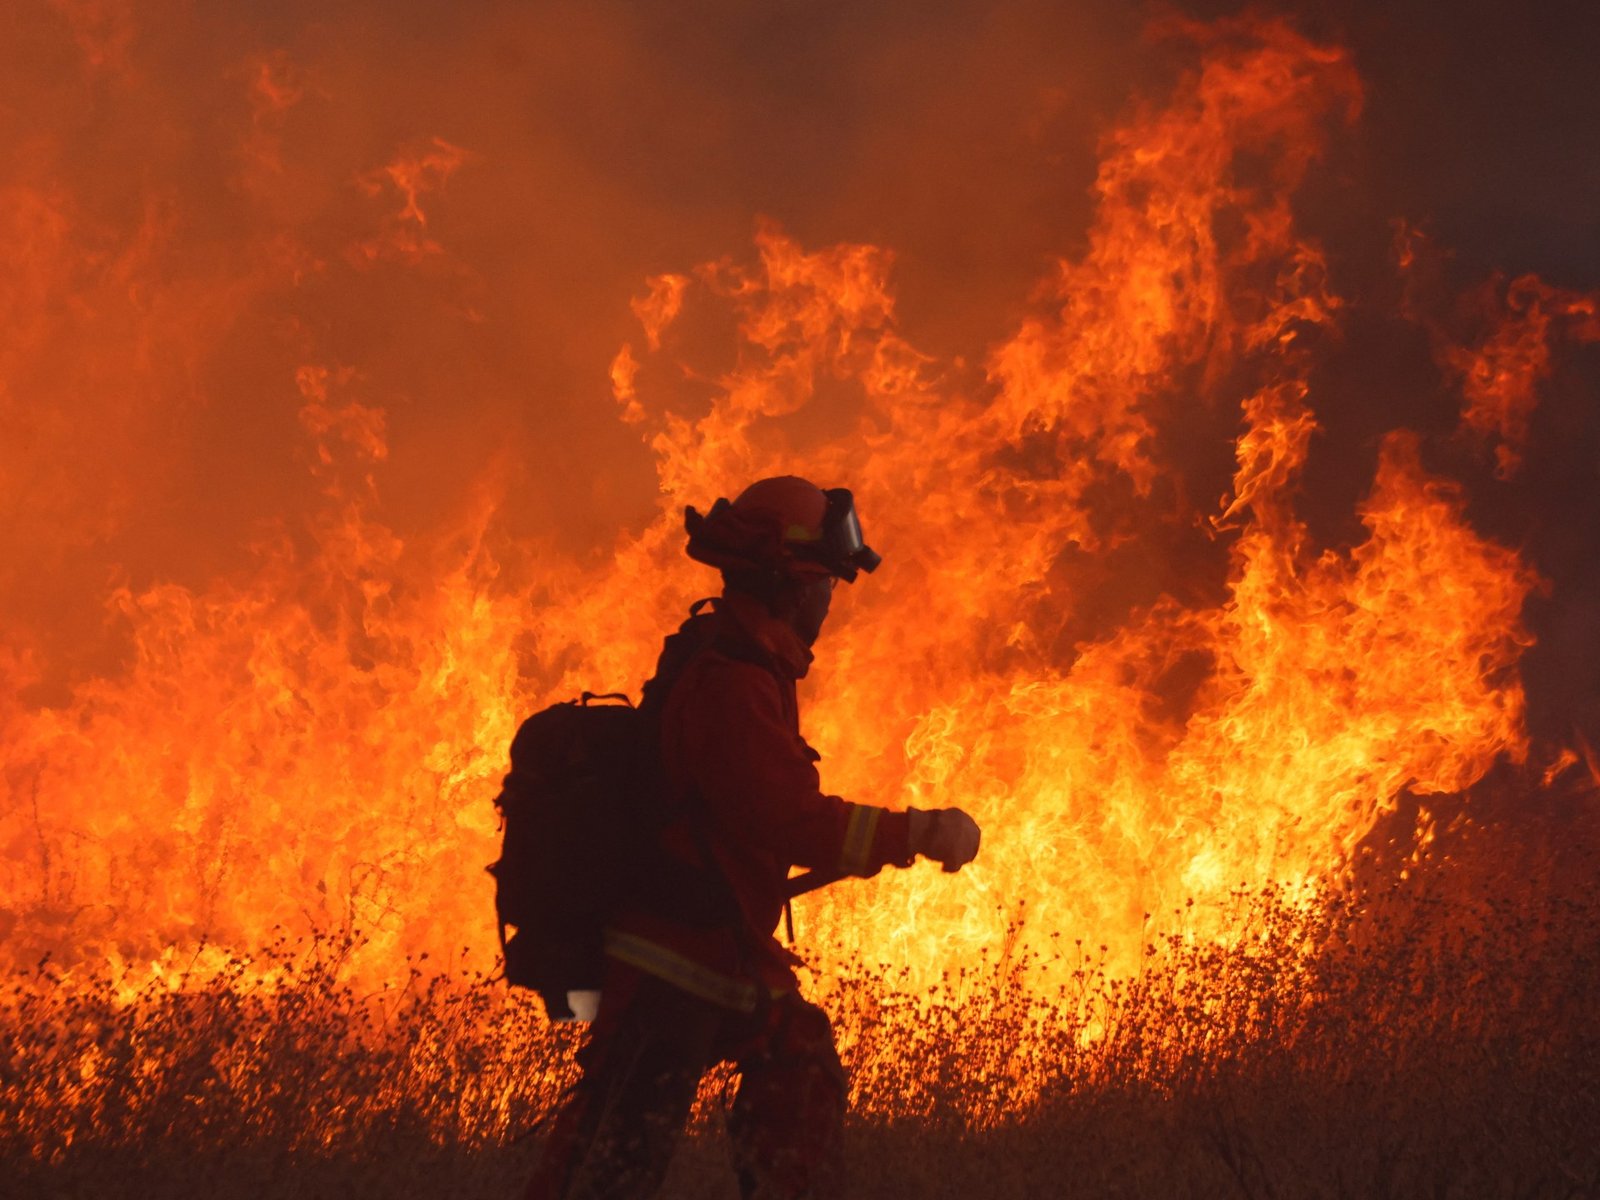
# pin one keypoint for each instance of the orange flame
(1501, 374)
(414, 173)
(1143, 698)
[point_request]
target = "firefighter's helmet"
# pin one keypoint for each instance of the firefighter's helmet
(783, 524)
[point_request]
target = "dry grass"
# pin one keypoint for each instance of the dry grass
(1426, 1042)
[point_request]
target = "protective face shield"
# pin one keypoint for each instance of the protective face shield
(842, 549)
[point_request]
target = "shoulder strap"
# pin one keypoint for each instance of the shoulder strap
(701, 631)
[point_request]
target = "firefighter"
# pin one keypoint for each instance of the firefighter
(682, 995)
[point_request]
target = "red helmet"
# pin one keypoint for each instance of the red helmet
(783, 524)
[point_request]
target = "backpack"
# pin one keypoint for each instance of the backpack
(582, 811)
(568, 793)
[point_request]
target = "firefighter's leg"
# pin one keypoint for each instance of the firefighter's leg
(787, 1122)
(640, 1072)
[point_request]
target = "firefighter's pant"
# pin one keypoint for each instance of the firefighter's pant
(641, 1070)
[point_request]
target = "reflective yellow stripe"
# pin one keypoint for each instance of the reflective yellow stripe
(858, 838)
(681, 971)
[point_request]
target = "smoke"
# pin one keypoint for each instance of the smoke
(201, 199)
(452, 205)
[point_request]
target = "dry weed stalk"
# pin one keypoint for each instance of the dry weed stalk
(1414, 1040)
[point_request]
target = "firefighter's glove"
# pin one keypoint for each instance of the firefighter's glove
(946, 835)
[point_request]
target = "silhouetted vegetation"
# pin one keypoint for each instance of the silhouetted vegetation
(1428, 1039)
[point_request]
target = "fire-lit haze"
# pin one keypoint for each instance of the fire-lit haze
(356, 367)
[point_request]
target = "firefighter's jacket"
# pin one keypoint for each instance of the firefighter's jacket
(746, 785)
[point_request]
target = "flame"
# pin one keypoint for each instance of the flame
(413, 173)
(1500, 374)
(659, 306)
(1145, 696)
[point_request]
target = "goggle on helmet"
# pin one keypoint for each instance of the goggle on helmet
(842, 549)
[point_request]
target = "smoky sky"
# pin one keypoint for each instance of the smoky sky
(184, 246)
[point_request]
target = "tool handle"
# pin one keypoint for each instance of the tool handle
(811, 881)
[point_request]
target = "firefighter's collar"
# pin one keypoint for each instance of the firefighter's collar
(776, 637)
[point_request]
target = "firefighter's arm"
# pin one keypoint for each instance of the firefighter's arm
(947, 835)
(751, 770)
